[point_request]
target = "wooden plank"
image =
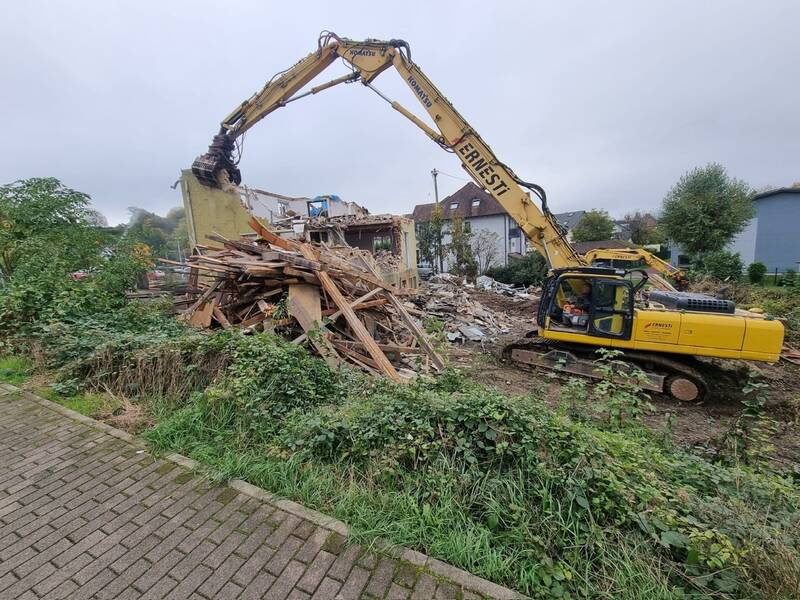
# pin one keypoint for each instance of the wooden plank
(270, 237)
(338, 312)
(358, 327)
(309, 277)
(203, 298)
(335, 313)
(305, 305)
(202, 316)
(421, 336)
(221, 318)
(254, 320)
(360, 358)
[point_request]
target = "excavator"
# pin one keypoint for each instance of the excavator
(605, 256)
(582, 307)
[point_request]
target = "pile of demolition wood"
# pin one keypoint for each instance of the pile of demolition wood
(310, 294)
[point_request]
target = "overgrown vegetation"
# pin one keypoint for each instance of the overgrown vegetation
(571, 502)
(530, 269)
(720, 264)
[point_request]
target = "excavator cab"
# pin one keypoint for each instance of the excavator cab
(587, 302)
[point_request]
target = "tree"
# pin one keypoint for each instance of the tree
(705, 209)
(429, 237)
(643, 228)
(756, 272)
(484, 247)
(167, 236)
(460, 247)
(43, 215)
(594, 225)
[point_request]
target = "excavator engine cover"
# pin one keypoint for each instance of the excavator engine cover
(219, 157)
(693, 302)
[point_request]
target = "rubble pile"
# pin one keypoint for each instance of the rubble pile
(471, 314)
(332, 299)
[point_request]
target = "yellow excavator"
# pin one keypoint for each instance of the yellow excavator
(582, 307)
(606, 257)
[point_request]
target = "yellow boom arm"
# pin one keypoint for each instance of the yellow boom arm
(634, 254)
(368, 59)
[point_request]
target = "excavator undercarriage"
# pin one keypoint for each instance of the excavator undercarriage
(677, 377)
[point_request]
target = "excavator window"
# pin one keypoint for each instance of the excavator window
(572, 303)
(612, 309)
(599, 307)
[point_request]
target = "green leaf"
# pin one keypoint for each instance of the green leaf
(676, 539)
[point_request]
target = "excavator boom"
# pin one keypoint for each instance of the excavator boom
(368, 59)
(640, 254)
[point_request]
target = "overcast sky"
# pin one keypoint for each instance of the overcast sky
(605, 104)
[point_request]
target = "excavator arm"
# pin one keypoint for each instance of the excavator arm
(368, 59)
(636, 254)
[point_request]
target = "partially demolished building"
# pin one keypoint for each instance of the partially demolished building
(325, 219)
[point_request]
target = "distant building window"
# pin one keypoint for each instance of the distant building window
(381, 243)
(453, 205)
(476, 202)
(514, 231)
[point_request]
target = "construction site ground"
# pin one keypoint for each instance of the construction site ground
(699, 426)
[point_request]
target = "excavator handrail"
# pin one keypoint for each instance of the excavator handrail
(368, 59)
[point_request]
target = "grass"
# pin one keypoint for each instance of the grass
(20, 370)
(88, 404)
(15, 370)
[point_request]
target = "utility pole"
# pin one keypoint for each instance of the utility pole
(435, 173)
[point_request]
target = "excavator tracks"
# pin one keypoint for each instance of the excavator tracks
(671, 376)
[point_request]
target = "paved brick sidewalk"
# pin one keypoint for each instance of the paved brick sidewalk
(86, 512)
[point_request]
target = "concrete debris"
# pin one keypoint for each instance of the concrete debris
(473, 314)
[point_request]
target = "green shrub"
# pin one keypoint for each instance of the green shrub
(530, 269)
(756, 272)
(721, 265)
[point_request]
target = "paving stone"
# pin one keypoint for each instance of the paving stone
(286, 582)
(230, 591)
(351, 589)
(398, 592)
(445, 591)
(221, 576)
(258, 586)
(425, 588)
(191, 582)
(344, 562)
(283, 555)
(316, 572)
(381, 577)
(406, 575)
